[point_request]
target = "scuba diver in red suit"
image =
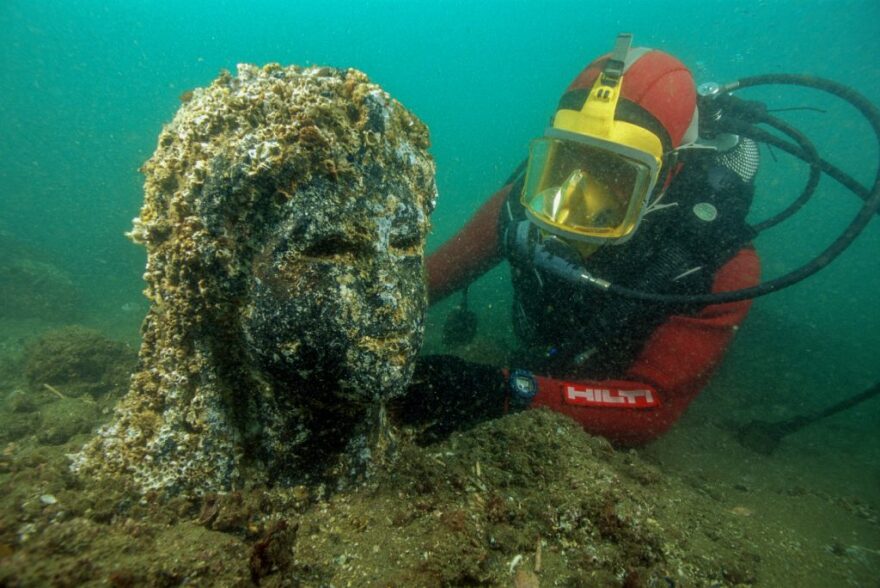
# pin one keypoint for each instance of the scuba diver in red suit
(624, 188)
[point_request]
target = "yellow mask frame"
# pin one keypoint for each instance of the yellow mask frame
(564, 203)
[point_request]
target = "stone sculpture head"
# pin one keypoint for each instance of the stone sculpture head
(336, 299)
(285, 217)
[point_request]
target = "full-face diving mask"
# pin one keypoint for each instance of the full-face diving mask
(590, 176)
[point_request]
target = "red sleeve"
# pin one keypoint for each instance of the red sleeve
(470, 253)
(673, 367)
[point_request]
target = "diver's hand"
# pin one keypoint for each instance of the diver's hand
(447, 393)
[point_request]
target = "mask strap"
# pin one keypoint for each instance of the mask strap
(613, 70)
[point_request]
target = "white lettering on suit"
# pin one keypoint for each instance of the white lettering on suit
(609, 397)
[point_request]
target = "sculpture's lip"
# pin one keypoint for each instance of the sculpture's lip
(394, 347)
(394, 338)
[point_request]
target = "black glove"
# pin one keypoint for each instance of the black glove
(448, 393)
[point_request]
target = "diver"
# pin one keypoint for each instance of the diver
(631, 258)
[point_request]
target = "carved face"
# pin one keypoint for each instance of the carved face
(338, 294)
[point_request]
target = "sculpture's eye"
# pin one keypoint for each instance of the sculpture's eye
(333, 246)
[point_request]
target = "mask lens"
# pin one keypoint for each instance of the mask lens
(583, 190)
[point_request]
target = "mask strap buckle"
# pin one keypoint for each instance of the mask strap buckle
(613, 70)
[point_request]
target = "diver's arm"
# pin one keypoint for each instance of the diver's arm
(470, 253)
(671, 370)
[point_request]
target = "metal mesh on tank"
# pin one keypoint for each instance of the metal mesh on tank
(743, 159)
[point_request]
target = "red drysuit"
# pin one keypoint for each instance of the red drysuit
(674, 365)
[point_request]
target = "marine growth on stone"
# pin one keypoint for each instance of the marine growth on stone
(284, 217)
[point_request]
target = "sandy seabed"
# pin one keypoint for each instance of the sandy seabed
(527, 500)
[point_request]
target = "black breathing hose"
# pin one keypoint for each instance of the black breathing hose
(806, 153)
(834, 172)
(810, 155)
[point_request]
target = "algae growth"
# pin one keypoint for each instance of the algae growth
(284, 217)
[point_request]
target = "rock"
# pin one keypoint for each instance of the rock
(284, 218)
(78, 361)
(65, 418)
(31, 286)
(20, 401)
(20, 425)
